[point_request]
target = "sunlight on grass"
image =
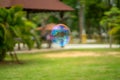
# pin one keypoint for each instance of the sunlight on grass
(38, 67)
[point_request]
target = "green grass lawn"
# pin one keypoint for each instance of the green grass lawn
(38, 67)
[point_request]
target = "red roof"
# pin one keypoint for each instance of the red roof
(47, 27)
(46, 5)
(50, 27)
(5, 3)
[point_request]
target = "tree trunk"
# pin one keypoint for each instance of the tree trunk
(110, 41)
(81, 23)
(118, 4)
(2, 54)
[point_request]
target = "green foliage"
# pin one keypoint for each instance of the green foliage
(112, 21)
(13, 24)
(94, 10)
(2, 42)
(72, 19)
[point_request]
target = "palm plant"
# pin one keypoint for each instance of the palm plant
(13, 24)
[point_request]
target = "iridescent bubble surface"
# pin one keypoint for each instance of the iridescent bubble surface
(60, 35)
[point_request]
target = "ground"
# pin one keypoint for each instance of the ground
(80, 54)
(62, 64)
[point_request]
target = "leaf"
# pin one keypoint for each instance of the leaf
(3, 31)
(115, 30)
(16, 31)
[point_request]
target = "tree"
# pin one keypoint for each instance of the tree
(111, 20)
(13, 24)
(87, 10)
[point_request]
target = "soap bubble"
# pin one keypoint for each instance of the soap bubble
(60, 34)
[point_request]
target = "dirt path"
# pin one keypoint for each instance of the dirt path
(80, 54)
